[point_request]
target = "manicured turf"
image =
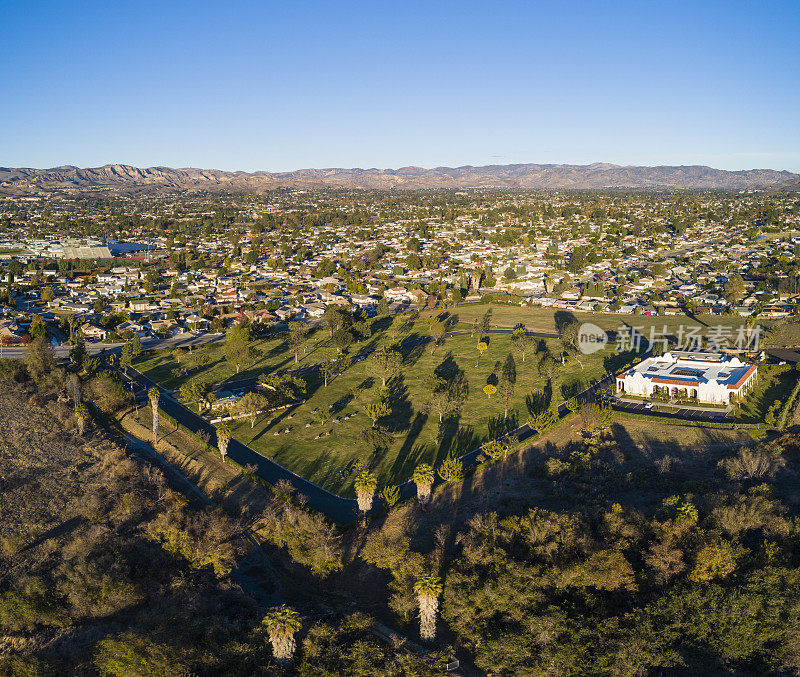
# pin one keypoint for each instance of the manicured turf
(536, 318)
(269, 355)
(416, 436)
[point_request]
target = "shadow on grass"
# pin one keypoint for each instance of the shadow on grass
(404, 464)
(402, 409)
(538, 401)
(502, 425)
(414, 430)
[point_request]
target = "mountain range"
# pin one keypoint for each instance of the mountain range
(132, 180)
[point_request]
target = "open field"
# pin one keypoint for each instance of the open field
(326, 433)
(269, 355)
(417, 436)
(323, 452)
(274, 353)
(536, 318)
(786, 334)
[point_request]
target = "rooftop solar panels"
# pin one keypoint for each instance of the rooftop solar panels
(682, 371)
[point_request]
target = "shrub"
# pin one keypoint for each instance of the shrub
(713, 561)
(452, 470)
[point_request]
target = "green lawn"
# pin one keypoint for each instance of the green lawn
(268, 355)
(416, 435)
(311, 452)
(536, 318)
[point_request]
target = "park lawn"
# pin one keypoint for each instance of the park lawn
(536, 318)
(269, 354)
(415, 434)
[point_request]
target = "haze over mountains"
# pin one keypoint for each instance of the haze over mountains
(128, 179)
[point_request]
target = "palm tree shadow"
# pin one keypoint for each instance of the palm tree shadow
(405, 463)
(402, 408)
(408, 444)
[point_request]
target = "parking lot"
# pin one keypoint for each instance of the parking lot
(683, 413)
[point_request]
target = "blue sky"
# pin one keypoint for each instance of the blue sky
(292, 84)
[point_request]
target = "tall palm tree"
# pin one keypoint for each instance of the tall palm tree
(423, 478)
(428, 588)
(223, 437)
(282, 622)
(154, 396)
(365, 485)
(81, 414)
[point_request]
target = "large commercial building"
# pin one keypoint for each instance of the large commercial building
(706, 377)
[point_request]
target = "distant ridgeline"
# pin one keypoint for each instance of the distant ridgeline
(126, 179)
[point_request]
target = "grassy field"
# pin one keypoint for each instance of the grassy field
(274, 353)
(417, 437)
(785, 334)
(321, 451)
(269, 355)
(536, 318)
(325, 450)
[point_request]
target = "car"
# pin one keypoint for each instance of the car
(648, 405)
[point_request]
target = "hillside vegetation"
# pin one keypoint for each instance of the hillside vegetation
(107, 570)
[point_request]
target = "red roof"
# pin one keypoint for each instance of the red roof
(745, 376)
(675, 382)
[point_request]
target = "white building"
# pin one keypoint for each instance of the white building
(707, 377)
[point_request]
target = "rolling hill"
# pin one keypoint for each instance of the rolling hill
(128, 179)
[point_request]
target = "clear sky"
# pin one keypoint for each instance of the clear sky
(292, 84)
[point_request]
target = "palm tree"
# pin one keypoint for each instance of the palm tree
(282, 622)
(423, 478)
(365, 485)
(223, 437)
(81, 414)
(154, 396)
(428, 588)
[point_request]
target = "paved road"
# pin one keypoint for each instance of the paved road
(179, 341)
(338, 509)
